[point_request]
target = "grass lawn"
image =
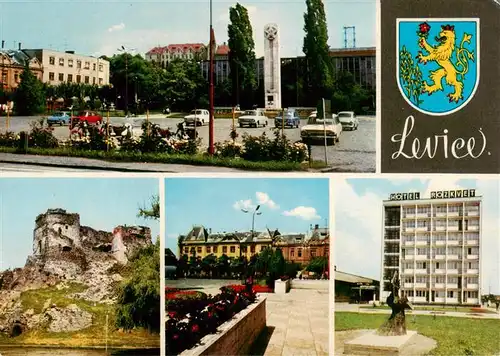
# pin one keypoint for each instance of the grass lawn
(93, 336)
(197, 160)
(454, 336)
(438, 309)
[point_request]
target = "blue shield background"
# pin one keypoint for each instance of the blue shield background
(438, 102)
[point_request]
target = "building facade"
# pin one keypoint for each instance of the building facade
(68, 67)
(434, 246)
(184, 51)
(360, 62)
(12, 65)
(299, 248)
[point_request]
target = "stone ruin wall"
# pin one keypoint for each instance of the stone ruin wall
(56, 229)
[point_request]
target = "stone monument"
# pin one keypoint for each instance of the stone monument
(272, 67)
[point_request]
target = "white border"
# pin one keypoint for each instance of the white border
(378, 90)
(162, 237)
(451, 19)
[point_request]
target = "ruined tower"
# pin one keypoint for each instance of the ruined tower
(56, 230)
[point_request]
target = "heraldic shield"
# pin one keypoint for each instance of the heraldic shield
(437, 63)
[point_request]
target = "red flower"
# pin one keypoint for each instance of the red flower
(424, 28)
(195, 328)
(175, 336)
(172, 314)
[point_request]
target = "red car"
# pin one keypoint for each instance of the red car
(90, 117)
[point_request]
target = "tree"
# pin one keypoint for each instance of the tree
(153, 212)
(241, 55)
(316, 50)
(138, 302)
(318, 265)
(30, 96)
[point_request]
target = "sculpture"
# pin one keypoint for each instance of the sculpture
(396, 325)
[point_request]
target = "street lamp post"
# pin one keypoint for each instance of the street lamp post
(125, 51)
(255, 212)
(211, 89)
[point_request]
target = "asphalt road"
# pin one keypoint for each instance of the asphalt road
(354, 153)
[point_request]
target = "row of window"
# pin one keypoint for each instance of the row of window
(52, 61)
(441, 279)
(78, 78)
(214, 249)
(442, 294)
(440, 251)
(441, 209)
(439, 265)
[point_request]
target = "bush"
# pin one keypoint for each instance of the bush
(228, 149)
(261, 148)
(9, 139)
(41, 136)
(94, 140)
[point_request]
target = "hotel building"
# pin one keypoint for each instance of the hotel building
(434, 245)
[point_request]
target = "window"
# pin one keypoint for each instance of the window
(313, 252)
(232, 249)
(51, 75)
(243, 249)
(4, 77)
(252, 249)
(52, 60)
(70, 78)
(208, 249)
(100, 68)
(186, 249)
(198, 249)
(299, 252)
(100, 81)
(437, 265)
(93, 80)
(78, 78)
(215, 249)
(61, 77)
(70, 63)
(61, 61)
(262, 248)
(87, 65)
(292, 252)
(87, 79)
(450, 294)
(16, 77)
(79, 64)
(469, 251)
(224, 249)
(93, 66)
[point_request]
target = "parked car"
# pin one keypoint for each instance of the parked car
(253, 118)
(348, 120)
(316, 128)
(313, 114)
(291, 119)
(59, 117)
(90, 117)
(197, 117)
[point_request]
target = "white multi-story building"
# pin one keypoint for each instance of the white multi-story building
(434, 245)
(68, 67)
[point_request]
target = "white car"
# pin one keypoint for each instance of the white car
(197, 117)
(348, 120)
(313, 114)
(316, 128)
(253, 118)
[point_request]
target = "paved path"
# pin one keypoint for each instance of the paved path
(345, 307)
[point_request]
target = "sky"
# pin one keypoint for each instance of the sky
(103, 203)
(290, 205)
(358, 222)
(100, 27)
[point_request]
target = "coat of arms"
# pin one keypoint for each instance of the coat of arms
(438, 63)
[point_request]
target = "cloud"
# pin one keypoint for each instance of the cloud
(263, 199)
(137, 41)
(118, 27)
(244, 204)
(303, 212)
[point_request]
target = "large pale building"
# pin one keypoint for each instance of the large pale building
(434, 245)
(68, 67)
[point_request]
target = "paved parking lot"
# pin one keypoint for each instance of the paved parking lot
(354, 153)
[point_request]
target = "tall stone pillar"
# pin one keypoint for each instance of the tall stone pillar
(272, 67)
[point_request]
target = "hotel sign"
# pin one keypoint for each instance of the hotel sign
(444, 194)
(404, 196)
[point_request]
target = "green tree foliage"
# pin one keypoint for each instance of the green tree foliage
(241, 56)
(316, 50)
(153, 212)
(170, 259)
(318, 265)
(138, 302)
(29, 97)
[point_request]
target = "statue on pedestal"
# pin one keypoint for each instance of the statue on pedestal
(396, 325)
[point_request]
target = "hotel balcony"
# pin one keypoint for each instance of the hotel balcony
(421, 271)
(440, 214)
(438, 286)
(421, 285)
(409, 271)
(409, 229)
(440, 242)
(472, 257)
(423, 229)
(453, 257)
(424, 215)
(473, 228)
(419, 300)
(451, 300)
(472, 286)
(409, 216)
(472, 271)
(439, 271)
(439, 257)
(421, 257)
(422, 243)
(474, 301)
(453, 228)
(408, 285)
(472, 213)
(452, 271)
(452, 285)
(409, 243)
(409, 257)
(472, 242)
(440, 300)
(439, 228)
(453, 242)
(452, 214)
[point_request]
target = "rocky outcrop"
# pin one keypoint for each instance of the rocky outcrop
(71, 318)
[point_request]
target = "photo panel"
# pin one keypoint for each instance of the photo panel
(247, 266)
(417, 263)
(79, 266)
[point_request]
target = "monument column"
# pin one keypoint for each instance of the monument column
(272, 67)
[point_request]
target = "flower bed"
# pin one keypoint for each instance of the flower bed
(256, 288)
(193, 316)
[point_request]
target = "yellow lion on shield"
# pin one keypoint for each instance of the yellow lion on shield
(442, 54)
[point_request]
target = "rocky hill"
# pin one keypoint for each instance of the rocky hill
(72, 270)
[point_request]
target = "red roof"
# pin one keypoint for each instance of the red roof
(185, 47)
(222, 50)
(157, 50)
